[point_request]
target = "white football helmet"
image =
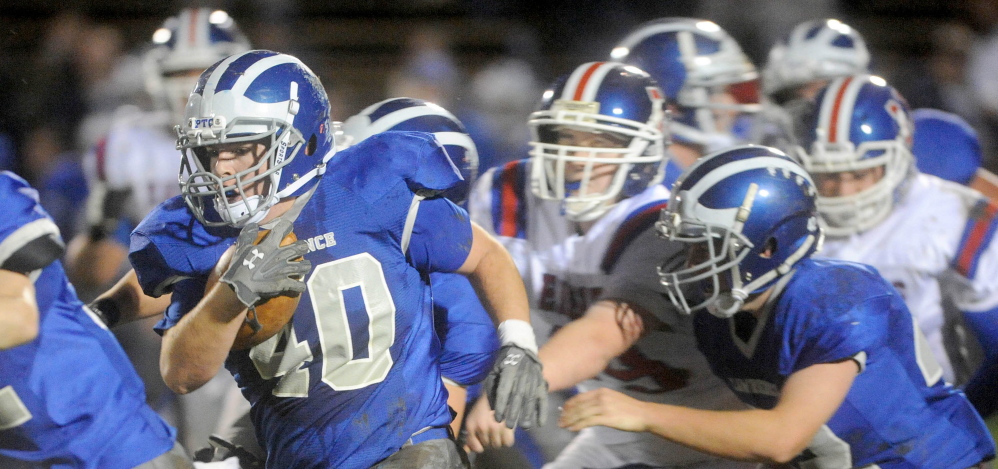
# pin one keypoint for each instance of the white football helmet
(857, 123)
(183, 47)
(600, 98)
(815, 50)
(703, 71)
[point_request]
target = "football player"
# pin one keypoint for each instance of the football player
(68, 395)
(799, 65)
(929, 237)
(353, 379)
(834, 366)
(814, 53)
(133, 169)
(711, 86)
(578, 217)
(467, 334)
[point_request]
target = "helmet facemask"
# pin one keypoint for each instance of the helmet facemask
(854, 213)
(715, 253)
(201, 187)
(632, 167)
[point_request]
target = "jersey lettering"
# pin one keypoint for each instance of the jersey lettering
(635, 365)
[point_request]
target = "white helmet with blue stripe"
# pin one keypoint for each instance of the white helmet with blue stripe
(257, 96)
(190, 41)
(416, 115)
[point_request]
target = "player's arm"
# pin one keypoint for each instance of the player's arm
(196, 347)
(94, 256)
(19, 313)
(578, 351)
(808, 400)
(583, 348)
(126, 302)
(492, 272)
(19, 318)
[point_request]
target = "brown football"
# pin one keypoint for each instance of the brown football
(272, 314)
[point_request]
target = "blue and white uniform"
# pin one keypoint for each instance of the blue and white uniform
(355, 374)
(69, 398)
(565, 272)
(827, 311)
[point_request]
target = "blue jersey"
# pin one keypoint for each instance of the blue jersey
(355, 373)
(899, 413)
(466, 330)
(69, 398)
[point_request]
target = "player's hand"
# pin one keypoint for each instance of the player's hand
(604, 407)
(483, 431)
(262, 271)
(516, 388)
(104, 208)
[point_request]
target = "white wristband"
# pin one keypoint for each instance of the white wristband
(519, 333)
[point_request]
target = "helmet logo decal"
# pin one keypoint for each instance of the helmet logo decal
(587, 107)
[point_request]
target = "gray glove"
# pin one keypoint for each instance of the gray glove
(259, 272)
(516, 388)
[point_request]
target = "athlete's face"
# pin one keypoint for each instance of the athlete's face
(847, 182)
(229, 159)
(602, 173)
(700, 255)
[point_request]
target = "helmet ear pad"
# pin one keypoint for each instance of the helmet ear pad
(774, 251)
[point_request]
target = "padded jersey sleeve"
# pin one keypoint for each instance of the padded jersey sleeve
(466, 331)
(186, 295)
(169, 245)
(441, 236)
(818, 332)
(29, 239)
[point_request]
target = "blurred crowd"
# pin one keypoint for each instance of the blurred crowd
(83, 70)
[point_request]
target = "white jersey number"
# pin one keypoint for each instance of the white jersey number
(340, 369)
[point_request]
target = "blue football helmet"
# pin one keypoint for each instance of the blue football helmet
(600, 98)
(857, 123)
(703, 72)
(257, 96)
(749, 215)
(191, 41)
(412, 114)
(815, 50)
(945, 145)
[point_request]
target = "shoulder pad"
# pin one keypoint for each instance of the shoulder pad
(373, 166)
(170, 245)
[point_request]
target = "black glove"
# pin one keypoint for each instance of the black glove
(107, 311)
(259, 272)
(516, 388)
(105, 209)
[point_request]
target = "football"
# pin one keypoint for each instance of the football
(272, 314)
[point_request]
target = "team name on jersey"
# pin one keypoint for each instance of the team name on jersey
(323, 241)
(754, 386)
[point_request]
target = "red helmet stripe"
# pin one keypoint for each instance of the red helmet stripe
(581, 88)
(833, 125)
